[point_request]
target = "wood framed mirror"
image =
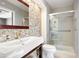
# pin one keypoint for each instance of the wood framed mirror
(14, 14)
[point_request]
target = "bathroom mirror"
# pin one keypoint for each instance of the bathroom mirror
(14, 14)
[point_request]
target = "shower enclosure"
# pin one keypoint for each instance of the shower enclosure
(62, 28)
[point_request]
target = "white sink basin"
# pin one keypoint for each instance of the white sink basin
(20, 47)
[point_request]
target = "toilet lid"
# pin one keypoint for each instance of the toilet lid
(49, 47)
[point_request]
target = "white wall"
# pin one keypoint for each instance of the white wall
(76, 7)
(49, 10)
(46, 22)
(62, 9)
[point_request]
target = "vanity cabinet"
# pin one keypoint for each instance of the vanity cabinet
(36, 52)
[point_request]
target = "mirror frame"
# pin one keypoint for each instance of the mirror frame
(23, 2)
(15, 26)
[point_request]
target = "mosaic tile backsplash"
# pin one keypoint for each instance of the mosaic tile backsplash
(34, 24)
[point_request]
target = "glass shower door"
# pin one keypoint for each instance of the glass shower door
(62, 30)
(54, 37)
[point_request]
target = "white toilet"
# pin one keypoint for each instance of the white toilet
(48, 51)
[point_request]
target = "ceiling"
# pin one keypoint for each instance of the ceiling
(59, 3)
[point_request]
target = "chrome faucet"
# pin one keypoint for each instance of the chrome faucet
(7, 37)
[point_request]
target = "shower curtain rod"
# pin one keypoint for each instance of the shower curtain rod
(61, 12)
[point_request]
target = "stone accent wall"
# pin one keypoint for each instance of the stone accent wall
(35, 19)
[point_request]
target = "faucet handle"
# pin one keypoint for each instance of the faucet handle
(7, 37)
